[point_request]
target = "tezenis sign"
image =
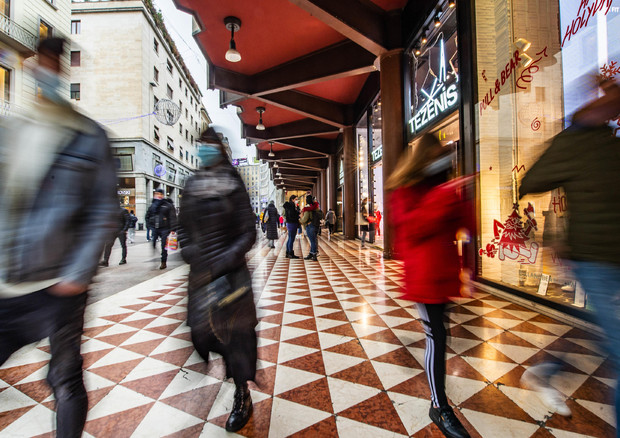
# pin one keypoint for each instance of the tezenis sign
(441, 98)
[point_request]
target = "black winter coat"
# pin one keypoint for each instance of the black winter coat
(291, 213)
(216, 224)
(162, 215)
(273, 223)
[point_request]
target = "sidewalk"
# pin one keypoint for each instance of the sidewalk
(339, 355)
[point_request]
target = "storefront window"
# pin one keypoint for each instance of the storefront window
(532, 64)
(363, 187)
(375, 206)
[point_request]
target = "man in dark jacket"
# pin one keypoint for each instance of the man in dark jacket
(291, 215)
(584, 159)
(68, 189)
(124, 222)
(162, 217)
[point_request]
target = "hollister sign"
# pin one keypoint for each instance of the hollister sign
(440, 99)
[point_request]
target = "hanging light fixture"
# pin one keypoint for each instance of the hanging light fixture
(525, 60)
(437, 21)
(522, 44)
(261, 110)
(275, 165)
(451, 4)
(233, 24)
(278, 174)
(271, 154)
(417, 50)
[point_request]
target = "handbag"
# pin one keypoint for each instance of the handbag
(172, 243)
(220, 302)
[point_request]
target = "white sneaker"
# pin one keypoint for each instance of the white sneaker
(551, 397)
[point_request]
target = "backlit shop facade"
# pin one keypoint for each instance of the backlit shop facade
(497, 80)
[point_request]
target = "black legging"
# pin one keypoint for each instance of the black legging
(435, 355)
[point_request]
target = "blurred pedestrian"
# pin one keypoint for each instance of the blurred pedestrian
(584, 160)
(362, 221)
(378, 222)
(57, 171)
(163, 217)
(291, 213)
(216, 230)
(427, 213)
(124, 221)
(272, 219)
(330, 220)
(311, 219)
(132, 227)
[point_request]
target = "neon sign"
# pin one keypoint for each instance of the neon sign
(440, 99)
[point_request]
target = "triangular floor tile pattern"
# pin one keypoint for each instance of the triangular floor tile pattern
(340, 354)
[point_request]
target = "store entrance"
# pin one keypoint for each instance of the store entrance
(339, 221)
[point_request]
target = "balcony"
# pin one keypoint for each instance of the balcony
(17, 37)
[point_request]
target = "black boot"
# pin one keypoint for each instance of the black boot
(314, 257)
(288, 255)
(447, 422)
(242, 409)
(308, 257)
(293, 256)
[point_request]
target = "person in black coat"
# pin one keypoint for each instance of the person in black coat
(272, 223)
(216, 230)
(162, 218)
(124, 221)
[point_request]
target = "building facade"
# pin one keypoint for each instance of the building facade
(127, 74)
(250, 174)
(22, 25)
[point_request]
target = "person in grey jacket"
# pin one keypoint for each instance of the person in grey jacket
(45, 270)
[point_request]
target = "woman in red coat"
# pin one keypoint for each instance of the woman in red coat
(427, 212)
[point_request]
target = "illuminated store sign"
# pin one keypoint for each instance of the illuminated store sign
(441, 98)
(377, 154)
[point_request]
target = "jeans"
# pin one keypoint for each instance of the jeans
(601, 281)
(149, 232)
(30, 318)
(292, 231)
(132, 235)
(364, 233)
(122, 238)
(311, 231)
(163, 235)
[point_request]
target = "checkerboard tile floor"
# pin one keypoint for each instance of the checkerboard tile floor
(339, 355)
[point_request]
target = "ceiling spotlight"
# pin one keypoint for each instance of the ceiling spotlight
(271, 154)
(452, 4)
(437, 21)
(424, 40)
(417, 50)
(261, 110)
(233, 24)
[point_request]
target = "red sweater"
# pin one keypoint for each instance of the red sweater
(425, 220)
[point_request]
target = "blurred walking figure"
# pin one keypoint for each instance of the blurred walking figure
(330, 220)
(124, 221)
(272, 221)
(427, 212)
(162, 217)
(56, 169)
(216, 230)
(311, 218)
(291, 214)
(378, 221)
(362, 221)
(132, 227)
(584, 159)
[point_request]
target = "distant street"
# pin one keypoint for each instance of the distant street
(142, 264)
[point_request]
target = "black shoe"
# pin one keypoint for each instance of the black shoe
(447, 422)
(293, 256)
(163, 265)
(104, 264)
(122, 262)
(308, 257)
(242, 409)
(314, 258)
(288, 255)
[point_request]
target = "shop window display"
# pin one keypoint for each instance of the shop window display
(535, 61)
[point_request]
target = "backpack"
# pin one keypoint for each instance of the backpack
(317, 217)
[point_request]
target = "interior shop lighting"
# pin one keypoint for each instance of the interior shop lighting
(261, 110)
(271, 154)
(417, 50)
(522, 44)
(233, 24)
(451, 4)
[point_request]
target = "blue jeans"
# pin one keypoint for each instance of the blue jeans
(292, 231)
(601, 281)
(311, 231)
(161, 233)
(149, 231)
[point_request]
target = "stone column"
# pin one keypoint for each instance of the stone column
(350, 168)
(332, 181)
(141, 198)
(323, 177)
(393, 128)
